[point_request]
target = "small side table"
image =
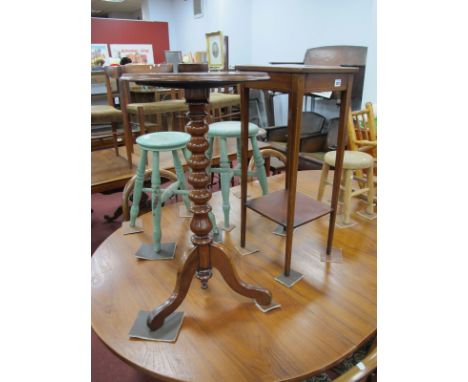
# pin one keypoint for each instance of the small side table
(205, 254)
(296, 80)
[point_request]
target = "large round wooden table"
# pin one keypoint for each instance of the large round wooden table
(224, 337)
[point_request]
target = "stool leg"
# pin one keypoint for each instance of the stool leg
(181, 177)
(226, 175)
(323, 180)
(371, 192)
(209, 153)
(260, 171)
(348, 175)
(156, 192)
(140, 177)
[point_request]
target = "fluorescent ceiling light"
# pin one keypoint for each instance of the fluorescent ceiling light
(114, 1)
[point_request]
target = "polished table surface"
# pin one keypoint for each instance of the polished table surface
(224, 337)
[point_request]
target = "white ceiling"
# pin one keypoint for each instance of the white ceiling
(106, 7)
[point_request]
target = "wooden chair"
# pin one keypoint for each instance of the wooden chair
(362, 134)
(274, 160)
(107, 114)
(142, 109)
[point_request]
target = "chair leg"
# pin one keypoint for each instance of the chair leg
(156, 210)
(259, 165)
(140, 177)
(181, 177)
(323, 180)
(114, 137)
(141, 120)
(348, 176)
(371, 192)
(226, 175)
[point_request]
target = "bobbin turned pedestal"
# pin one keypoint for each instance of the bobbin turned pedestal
(205, 254)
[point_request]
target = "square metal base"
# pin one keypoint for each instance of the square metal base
(290, 280)
(127, 230)
(166, 333)
(245, 251)
(365, 215)
(340, 223)
(184, 213)
(336, 256)
(146, 252)
(280, 230)
(218, 238)
(267, 308)
(228, 228)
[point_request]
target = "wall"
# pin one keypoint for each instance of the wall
(113, 31)
(311, 23)
(261, 31)
(232, 17)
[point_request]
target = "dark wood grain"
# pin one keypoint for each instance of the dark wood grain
(224, 337)
(194, 79)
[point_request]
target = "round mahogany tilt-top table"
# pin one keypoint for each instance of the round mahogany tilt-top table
(205, 254)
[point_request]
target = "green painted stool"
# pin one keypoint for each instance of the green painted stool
(157, 142)
(232, 129)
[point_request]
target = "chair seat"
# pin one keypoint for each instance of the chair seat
(353, 160)
(105, 114)
(163, 140)
(218, 100)
(230, 129)
(169, 106)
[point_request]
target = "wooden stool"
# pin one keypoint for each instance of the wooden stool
(157, 142)
(353, 161)
(223, 131)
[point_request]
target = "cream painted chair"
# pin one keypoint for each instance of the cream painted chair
(353, 161)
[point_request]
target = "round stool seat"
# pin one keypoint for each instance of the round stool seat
(230, 129)
(164, 140)
(353, 160)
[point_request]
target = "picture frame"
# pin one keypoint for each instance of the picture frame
(215, 50)
(138, 53)
(99, 56)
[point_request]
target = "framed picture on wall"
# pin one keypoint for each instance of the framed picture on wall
(138, 53)
(99, 55)
(215, 50)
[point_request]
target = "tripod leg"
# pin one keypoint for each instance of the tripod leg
(184, 279)
(223, 263)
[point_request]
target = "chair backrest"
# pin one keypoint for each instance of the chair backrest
(115, 72)
(345, 56)
(362, 134)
